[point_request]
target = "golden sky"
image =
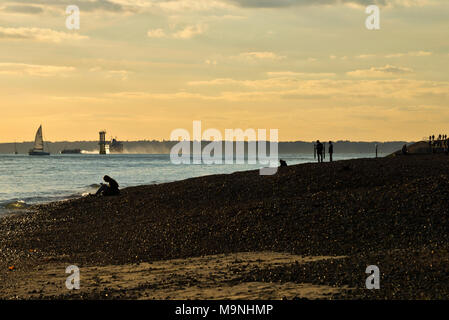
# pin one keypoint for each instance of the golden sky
(142, 68)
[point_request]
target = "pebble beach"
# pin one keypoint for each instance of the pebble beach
(307, 232)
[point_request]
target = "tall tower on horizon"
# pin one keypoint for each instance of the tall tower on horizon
(102, 142)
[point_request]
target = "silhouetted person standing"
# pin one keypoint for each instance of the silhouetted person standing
(404, 149)
(319, 150)
(331, 151)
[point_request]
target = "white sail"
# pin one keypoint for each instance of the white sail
(39, 141)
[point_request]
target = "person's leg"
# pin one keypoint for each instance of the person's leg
(102, 188)
(330, 157)
(108, 191)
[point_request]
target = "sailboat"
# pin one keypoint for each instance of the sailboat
(15, 148)
(38, 149)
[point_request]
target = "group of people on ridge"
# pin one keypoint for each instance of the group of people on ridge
(439, 143)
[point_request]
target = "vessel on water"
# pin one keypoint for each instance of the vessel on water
(38, 149)
(115, 146)
(71, 151)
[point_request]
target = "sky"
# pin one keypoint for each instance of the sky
(140, 69)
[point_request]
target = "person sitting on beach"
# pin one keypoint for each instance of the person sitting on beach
(319, 150)
(283, 163)
(108, 190)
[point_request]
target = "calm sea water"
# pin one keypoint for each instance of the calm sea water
(26, 180)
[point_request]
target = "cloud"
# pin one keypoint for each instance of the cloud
(279, 82)
(156, 33)
(187, 5)
(365, 56)
(23, 9)
(382, 92)
(120, 74)
(187, 32)
(38, 34)
(111, 74)
(261, 56)
(19, 69)
(410, 54)
(300, 74)
(397, 55)
(190, 32)
(387, 70)
(84, 5)
(136, 6)
(291, 3)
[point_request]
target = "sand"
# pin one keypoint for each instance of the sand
(201, 278)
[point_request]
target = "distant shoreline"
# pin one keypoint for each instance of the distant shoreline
(164, 147)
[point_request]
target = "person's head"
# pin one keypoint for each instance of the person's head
(330, 142)
(318, 141)
(107, 178)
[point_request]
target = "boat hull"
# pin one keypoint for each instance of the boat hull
(71, 151)
(38, 153)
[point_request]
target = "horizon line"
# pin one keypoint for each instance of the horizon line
(162, 141)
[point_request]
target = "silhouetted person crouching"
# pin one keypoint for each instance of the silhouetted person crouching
(110, 189)
(283, 163)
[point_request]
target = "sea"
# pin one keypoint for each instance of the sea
(27, 180)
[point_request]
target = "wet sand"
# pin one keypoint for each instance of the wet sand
(390, 212)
